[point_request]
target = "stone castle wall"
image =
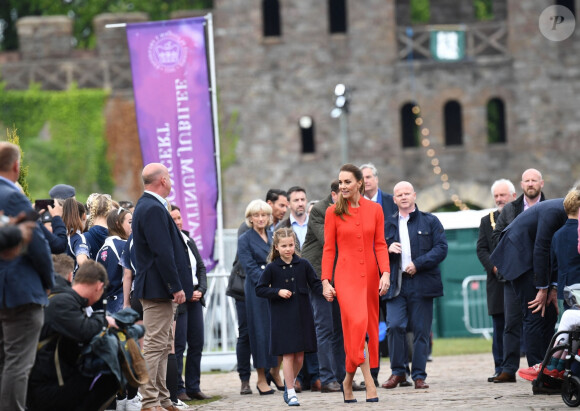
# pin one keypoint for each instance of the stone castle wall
(268, 84)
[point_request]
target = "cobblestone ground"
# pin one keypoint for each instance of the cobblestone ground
(458, 382)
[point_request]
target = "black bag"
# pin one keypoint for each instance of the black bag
(236, 282)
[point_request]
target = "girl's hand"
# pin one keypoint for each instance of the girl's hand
(328, 291)
(285, 293)
(384, 283)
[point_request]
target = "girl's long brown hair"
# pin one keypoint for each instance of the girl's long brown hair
(72, 213)
(278, 234)
(115, 222)
(341, 204)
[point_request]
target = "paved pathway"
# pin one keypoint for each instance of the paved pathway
(458, 382)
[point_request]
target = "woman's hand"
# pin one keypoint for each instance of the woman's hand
(328, 291)
(384, 283)
(196, 296)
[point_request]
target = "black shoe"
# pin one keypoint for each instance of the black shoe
(344, 398)
(264, 392)
(490, 379)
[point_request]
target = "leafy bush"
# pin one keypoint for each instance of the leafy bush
(62, 136)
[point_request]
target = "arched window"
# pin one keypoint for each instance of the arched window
(410, 134)
(271, 15)
(453, 123)
(307, 134)
(570, 4)
(337, 16)
(496, 121)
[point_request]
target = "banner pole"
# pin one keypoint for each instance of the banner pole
(220, 270)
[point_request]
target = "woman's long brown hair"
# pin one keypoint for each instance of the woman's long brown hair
(341, 204)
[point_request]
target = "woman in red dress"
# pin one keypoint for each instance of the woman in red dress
(354, 232)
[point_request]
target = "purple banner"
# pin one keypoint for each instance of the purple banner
(174, 117)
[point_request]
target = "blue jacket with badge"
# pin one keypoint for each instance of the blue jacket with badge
(25, 279)
(428, 250)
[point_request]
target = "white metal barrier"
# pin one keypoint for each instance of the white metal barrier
(475, 316)
(220, 318)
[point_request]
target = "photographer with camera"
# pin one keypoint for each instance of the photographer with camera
(56, 382)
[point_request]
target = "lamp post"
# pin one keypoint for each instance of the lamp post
(340, 111)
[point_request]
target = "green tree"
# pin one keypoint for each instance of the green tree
(420, 11)
(82, 12)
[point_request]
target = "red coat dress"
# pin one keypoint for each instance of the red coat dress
(359, 243)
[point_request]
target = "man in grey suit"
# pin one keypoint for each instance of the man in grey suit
(24, 283)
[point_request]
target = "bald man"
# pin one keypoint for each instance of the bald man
(417, 245)
(163, 279)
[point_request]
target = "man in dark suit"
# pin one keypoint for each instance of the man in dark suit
(503, 192)
(326, 315)
(513, 337)
(163, 279)
(523, 258)
(24, 283)
(374, 193)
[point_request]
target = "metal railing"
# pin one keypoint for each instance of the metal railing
(482, 39)
(475, 316)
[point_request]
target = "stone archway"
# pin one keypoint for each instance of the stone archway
(429, 199)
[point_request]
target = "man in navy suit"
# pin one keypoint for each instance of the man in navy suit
(163, 279)
(523, 258)
(24, 282)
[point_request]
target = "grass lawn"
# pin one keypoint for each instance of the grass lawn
(459, 346)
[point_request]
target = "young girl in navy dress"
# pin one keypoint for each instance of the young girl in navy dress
(286, 282)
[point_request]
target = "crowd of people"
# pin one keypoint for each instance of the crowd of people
(318, 279)
(530, 249)
(68, 269)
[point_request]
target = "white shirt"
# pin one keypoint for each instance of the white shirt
(405, 242)
(374, 198)
(192, 260)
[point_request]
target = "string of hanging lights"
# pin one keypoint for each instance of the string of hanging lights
(435, 162)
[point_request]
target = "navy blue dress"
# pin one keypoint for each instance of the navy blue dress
(292, 321)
